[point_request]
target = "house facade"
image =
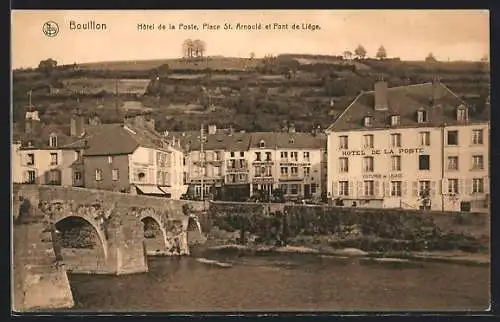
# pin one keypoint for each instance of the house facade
(415, 146)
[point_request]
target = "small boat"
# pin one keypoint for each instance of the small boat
(213, 262)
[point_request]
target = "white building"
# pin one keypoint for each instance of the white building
(416, 146)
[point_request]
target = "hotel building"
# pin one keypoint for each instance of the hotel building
(416, 146)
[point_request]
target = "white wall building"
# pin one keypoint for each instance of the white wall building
(410, 147)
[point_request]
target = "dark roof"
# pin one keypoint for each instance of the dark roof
(39, 139)
(118, 139)
(435, 98)
(243, 141)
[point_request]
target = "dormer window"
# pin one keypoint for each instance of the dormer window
(421, 116)
(30, 144)
(262, 144)
(395, 120)
(368, 121)
(53, 140)
(462, 113)
(291, 141)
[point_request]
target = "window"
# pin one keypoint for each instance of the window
(477, 136)
(307, 171)
(462, 113)
(291, 141)
(78, 176)
(477, 185)
(233, 164)
(257, 171)
(343, 164)
(396, 163)
(262, 144)
(268, 156)
(453, 186)
(53, 159)
(283, 187)
(368, 121)
(294, 171)
(257, 156)
(284, 155)
(452, 138)
(53, 141)
(98, 174)
(114, 174)
(30, 159)
(424, 162)
(396, 188)
(396, 140)
(216, 156)
(110, 159)
(343, 142)
(294, 189)
(453, 163)
(242, 163)
(31, 176)
(232, 154)
(368, 141)
(395, 120)
(368, 164)
(306, 156)
(477, 162)
(368, 187)
(294, 156)
(421, 116)
(424, 138)
(424, 187)
(284, 171)
(343, 188)
(54, 177)
(313, 188)
(242, 154)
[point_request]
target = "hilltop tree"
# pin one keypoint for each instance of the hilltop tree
(360, 52)
(381, 53)
(188, 48)
(199, 47)
(252, 55)
(47, 66)
(347, 54)
(430, 58)
(193, 48)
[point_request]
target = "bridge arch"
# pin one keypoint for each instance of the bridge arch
(59, 212)
(159, 219)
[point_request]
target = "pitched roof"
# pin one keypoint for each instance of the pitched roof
(289, 140)
(437, 99)
(39, 138)
(116, 139)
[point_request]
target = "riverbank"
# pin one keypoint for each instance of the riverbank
(457, 257)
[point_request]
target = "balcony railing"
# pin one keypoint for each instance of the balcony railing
(264, 161)
(291, 177)
(236, 170)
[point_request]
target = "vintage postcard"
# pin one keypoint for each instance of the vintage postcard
(250, 161)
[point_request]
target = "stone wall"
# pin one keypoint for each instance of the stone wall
(39, 282)
(364, 228)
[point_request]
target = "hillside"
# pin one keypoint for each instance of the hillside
(251, 94)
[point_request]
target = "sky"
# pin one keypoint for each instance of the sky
(408, 34)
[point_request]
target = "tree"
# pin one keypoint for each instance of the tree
(252, 55)
(381, 53)
(430, 58)
(188, 48)
(347, 54)
(199, 48)
(360, 52)
(47, 65)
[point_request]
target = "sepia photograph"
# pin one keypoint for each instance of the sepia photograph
(246, 161)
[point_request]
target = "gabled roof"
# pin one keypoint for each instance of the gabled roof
(119, 139)
(39, 139)
(435, 98)
(288, 140)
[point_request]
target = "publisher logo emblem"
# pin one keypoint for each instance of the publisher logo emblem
(50, 29)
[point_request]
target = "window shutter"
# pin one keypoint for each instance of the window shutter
(387, 190)
(486, 185)
(404, 188)
(335, 188)
(468, 187)
(351, 187)
(376, 190)
(444, 186)
(25, 176)
(415, 189)
(433, 188)
(360, 188)
(461, 187)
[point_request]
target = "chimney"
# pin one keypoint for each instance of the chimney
(31, 122)
(77, 126)
(231, 130)
(212, 129)
(434, 95)
(381, 103)
(291, 128)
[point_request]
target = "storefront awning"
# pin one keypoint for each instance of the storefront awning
(165, 189)
(150, 190)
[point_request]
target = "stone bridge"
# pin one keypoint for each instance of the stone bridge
(102, 232)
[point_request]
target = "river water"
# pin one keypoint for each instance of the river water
(286, 283)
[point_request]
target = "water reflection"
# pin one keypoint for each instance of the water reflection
(291, 282)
